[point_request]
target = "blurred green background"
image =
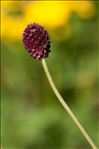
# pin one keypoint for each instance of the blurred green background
(32, 117)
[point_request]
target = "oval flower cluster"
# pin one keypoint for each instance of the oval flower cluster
(36, 41)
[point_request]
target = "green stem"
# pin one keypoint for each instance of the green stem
(66, 107)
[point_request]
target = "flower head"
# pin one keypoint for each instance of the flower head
(36, 41)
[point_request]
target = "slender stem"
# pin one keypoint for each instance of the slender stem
(66, 107)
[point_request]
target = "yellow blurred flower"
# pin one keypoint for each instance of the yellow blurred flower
(51, 14)
(15, 15)
(85, 9)
(11, 22)
(12, 29)
(6, 5)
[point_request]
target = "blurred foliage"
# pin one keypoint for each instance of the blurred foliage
(32, 118)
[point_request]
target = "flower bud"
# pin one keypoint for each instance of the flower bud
(36, 41)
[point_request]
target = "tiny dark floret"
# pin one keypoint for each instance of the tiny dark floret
(36, 41)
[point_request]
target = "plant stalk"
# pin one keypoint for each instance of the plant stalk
(66, 107)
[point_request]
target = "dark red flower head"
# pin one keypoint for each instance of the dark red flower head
(36, 41)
